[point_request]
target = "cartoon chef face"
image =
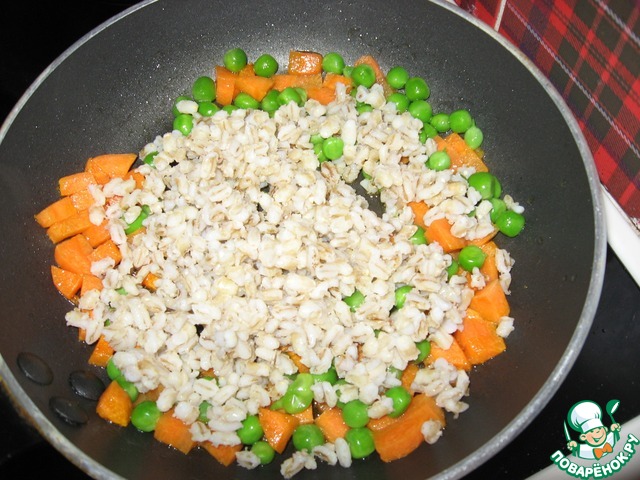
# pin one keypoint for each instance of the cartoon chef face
(595, 437)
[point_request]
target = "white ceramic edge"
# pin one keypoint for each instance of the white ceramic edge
(622, 235)
(561, 370)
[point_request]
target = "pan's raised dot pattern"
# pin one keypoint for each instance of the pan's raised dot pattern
(68, 410)
(35, 368)
(86, 384)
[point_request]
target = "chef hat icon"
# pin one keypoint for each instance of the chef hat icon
(585, 416)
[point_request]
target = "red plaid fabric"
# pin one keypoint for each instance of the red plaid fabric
(590, 51)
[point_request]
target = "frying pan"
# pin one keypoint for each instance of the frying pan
(112, 91)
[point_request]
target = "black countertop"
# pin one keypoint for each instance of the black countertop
(605, 369)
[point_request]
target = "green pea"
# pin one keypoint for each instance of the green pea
(230, 108)
(417, 89)
(244, 100)
(251, 430)
(401, 295)
(401, 399)
(460, 121)
(473, 137)
(497, 208)
(263, 451)
(397, 77)
(289, 94)
(471, 257)
(360, 441)
(363, 75)
(128, 387)
(439, 160)
(426, 132)
(317, 149)
(418, 238)
(333, 63)
(354, 413)
(203, 89)
(203, 408)
(440, 122)
(424, 349)
(333, 147)
(316, 139)
(303, 95)
(363, 108)
(299, 394)
(396, 372)
(486, 184)
(175, 110)
(121, 291)
(235, 59)
(265, 66)
(270, 101)
(148, 158)
(510, 223)
(330, 376)
(452, 269)
(207, 109)
(183, 123)
(347, 71)
(421, 109)
(137, 223)
(145, 416)
(307, 437)
(354, 300)
(113, 372)
(400, 100)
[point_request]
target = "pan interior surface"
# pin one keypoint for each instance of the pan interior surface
(113, 92)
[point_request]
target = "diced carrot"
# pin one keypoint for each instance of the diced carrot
(90, 282)
(137, 177)
(247, 71)
(487, 238)
(419, 210)
(440, 231)
(454, 355)
(409, 375)
(278, 427)
(297, 360)
(114, 405)
(82, 200)
(97, 234)
(491, 302)
(489, 268)
(461, 154)
(376, 424)
(225, 454)
(255, 86)
(305, 416)
(478, 338)
(100, 175)
(174, 432)
(82, 334)
(304, 62)
(73, 255)
(323, 95)
(68, 283)
(284, 80)
(149, 281)
(56, 212)
(404, 435)
(114, 165)
(107, 249)
(332, 424)
(331, 79)
(101, 353)
(75, 182)
(381, 78)
(225, 85)
(69, 226)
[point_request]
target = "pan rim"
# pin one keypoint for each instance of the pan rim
(539, 400)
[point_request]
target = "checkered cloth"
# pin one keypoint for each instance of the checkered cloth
(590, 51)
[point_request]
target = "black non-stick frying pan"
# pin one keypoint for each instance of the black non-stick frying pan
(113, 90)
